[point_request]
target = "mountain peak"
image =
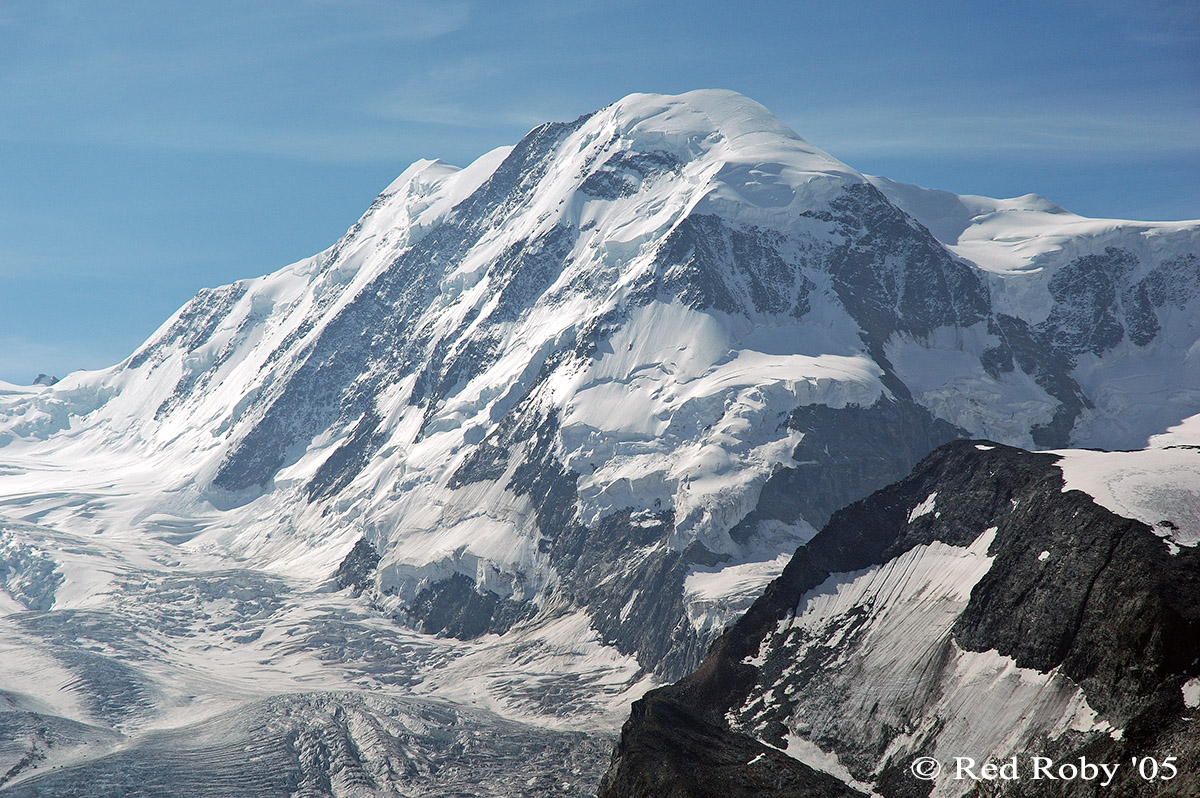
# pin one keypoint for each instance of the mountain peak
(730, 113)
(736, 127)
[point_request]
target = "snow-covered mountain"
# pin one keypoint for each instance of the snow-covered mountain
(995, 605)
(559, 416)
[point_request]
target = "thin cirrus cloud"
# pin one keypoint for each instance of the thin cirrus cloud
(70, 61)
(405, 20)
(450, 95)
(211, 82)
(1162, 22)
(425, 111)
(388, 147)
(355, 145)
(902, 131)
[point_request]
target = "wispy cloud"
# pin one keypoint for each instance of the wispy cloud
(340, 145)
(452, 93)
(425, 111)
(1161, 22)
(283, 78)
(899, 131)
(414, 19)
(80, 58)
(123, 41)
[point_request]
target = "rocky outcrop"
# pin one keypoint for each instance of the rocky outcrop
(668, 750)
(1085, 624)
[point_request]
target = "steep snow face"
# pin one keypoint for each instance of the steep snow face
(609, 375)
(672, 372)
(648, 278)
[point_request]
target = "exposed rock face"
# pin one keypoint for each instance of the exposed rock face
(358, 568)
(971, 609)
(668, 750)
(846, 454)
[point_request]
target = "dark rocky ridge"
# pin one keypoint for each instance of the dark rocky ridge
(358, 567)
(698, 758)
(1108, 606)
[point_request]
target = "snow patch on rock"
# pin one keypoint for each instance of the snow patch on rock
(1191, 693)
(887, 630)
(924, 508)
(1159, 487)
(716, 598)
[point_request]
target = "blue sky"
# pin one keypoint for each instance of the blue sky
(148, 149)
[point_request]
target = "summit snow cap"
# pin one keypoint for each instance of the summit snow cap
(735, 154)
(760, 160)
(656, 156)
(723, 123)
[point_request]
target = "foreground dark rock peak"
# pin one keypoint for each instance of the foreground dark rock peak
(1094, 603)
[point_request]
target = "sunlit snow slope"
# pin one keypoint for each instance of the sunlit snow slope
(573, 402)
